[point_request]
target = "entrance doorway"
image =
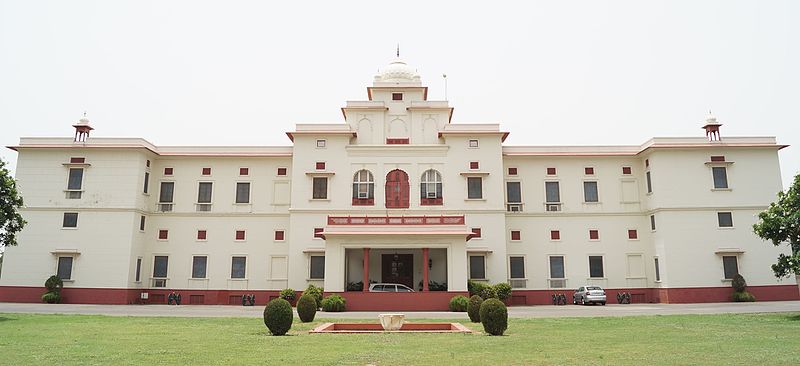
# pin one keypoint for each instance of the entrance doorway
(398, 268)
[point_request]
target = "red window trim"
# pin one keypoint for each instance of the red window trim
(163, 234)
(718, 158)
(626, 170)
(202, 234)
(555, 235)
(474, 165)
(282, 171)
(594, 234)
(397, 96)
(633, 234)
(280, 235)
(363, 202)
(240, 235)
(168, 171)
(76, 160)
(588, 171)
(244, 171)
(320, 165)
(476, 231)
(431, 201)
(551, 171)
(512, 171)
(515, 235)
(206, 171)
(318, 232)
(397, 141)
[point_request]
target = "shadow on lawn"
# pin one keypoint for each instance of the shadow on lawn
(2, 319)
(794, 318)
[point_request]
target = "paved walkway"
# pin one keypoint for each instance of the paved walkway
(541, 311)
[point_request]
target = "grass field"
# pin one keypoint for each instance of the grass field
(772, 339)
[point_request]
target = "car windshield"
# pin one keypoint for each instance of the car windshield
(588, 288)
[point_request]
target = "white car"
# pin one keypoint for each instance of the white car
(589, 294)
(389, 287)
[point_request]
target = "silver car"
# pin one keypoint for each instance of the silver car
(589, 294)
(389, 287)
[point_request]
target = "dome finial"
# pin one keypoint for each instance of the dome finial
(398, 50)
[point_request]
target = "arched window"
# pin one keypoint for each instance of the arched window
(430, 188)
(397, 189)
(363, 189)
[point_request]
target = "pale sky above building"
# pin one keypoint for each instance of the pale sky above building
(551, 73)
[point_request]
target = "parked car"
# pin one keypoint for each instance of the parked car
(589, 294)
(389, 287)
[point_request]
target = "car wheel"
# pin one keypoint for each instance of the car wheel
(583, 301)
(603, 303)
(574, 301)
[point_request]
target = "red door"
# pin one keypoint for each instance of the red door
(397, 189)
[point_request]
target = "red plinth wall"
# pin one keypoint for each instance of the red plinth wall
(371, 301)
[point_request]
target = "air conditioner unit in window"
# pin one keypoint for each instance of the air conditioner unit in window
(558, 283)
(518, 283)
(363, 195)
(553, 207)
(165, 207)
(514, 207)
(144, 296)
(159, 282)
(203, 207)
(431, 195)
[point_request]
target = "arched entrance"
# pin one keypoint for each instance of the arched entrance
(397, 189)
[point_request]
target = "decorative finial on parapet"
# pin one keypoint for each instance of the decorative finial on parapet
(82, 129)
(712, 128)
(398, 50)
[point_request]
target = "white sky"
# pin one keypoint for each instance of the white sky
(551, 73)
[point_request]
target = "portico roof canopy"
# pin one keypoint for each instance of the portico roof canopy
(397, 225)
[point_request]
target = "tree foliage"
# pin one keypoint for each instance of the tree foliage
(11, 221)
(780, 224)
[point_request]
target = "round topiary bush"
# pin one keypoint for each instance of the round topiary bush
(474, 308)
(503, 291)
(306, 308)
(287, 294)
(487, 293)
(316, 292)
(494, 316)
(51, 297)
(738, 283)
(54, 284)
(743, 296)
(278, 316)
(333, 303)
(459, 303)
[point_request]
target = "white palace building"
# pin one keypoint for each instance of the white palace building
(398, 193)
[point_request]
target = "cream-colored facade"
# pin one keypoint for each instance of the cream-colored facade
(649, 218)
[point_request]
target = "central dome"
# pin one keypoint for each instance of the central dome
(397, 71)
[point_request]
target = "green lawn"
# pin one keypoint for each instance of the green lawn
(772, 339)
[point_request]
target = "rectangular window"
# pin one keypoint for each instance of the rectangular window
(646, 163)
(397, 96)
(555, 235)
(204, 192)
(557, 266)
(160, 264)
(474, 165)
(552, 193)
(168, 171)
(206, 171)
(590, 192)
(730, 266)
(138, 269)
(720, 177)
(167, 190)
(77, 160)
(64, 268)
(477, 267)
(474, 187)
(551, 171)
(653, 222)
(244, 171)
(202, 235)
(320, 188)
(163, 234)
(239, 234)
(141, 222)
(238, 267)
(595, 266)
(75, 182)
(320, 165)
(649, 182)
(588, 171)
(633, 234)
(321, 143)
(512, 171)
(318, 233)
(281, 171)
(473, 143)
(199, 266)
(242, 192)
(517, 267)
(717, 158)
(594, 234)
(317, 267)
(146, 182)
(515, 235)
(658, 270)
(476, 232)
(70, 219)
(279, 235)
(725, 219)
(626, 170)
(513, 192)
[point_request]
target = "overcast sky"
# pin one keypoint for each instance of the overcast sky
(551, 73)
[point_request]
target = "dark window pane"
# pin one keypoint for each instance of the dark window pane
(141, 222)
(513, 192)
(242, 192)
(557, 267)
(138, 269)
(725, 219)
(160, 266)
(75, 179)
(70, 219)
(517, 267)
(204, 192)
(320, 188)
(238, 267)
(590, 192)
(317, 267)
(730, 265)
(167, 189)
(595, 266)
(477, 269)
(652, 222)
(720, 177)
(146, 181)
(658, 270)
(649, 183)
(552, 192)
(474, 187)
(65, 268)
(199, 267)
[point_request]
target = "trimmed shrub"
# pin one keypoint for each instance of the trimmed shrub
(488, 293)
(333, 303)
(355, 286)
(51, 297)
(306, 308)
(54, 284)
(494, 316)
(459, 303)
(315, 292)
(474, 308)
(278, 316)
(738, 283)
(287, 294)
(475, 288)
(743, 296)
(503, 291)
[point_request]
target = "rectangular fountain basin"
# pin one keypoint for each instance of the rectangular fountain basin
(377, 328)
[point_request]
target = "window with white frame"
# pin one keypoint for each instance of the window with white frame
(199, 265)
(730, 266)
(725, 219)
(160, 267)
(596, 266)
(516, 267)
(590, 192)
(477, 267)
(513, 196)
(321, 143)
(204, 191)
(474, 187)
(430, 188)
(70, 220)
(242, 192)
(720, 175)
(319, 188)
(75, 183)
(658, 269)
(363, 188)
(649, 182)
(64, 269)
(238, 267)
(317, 267)
(557, 273)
